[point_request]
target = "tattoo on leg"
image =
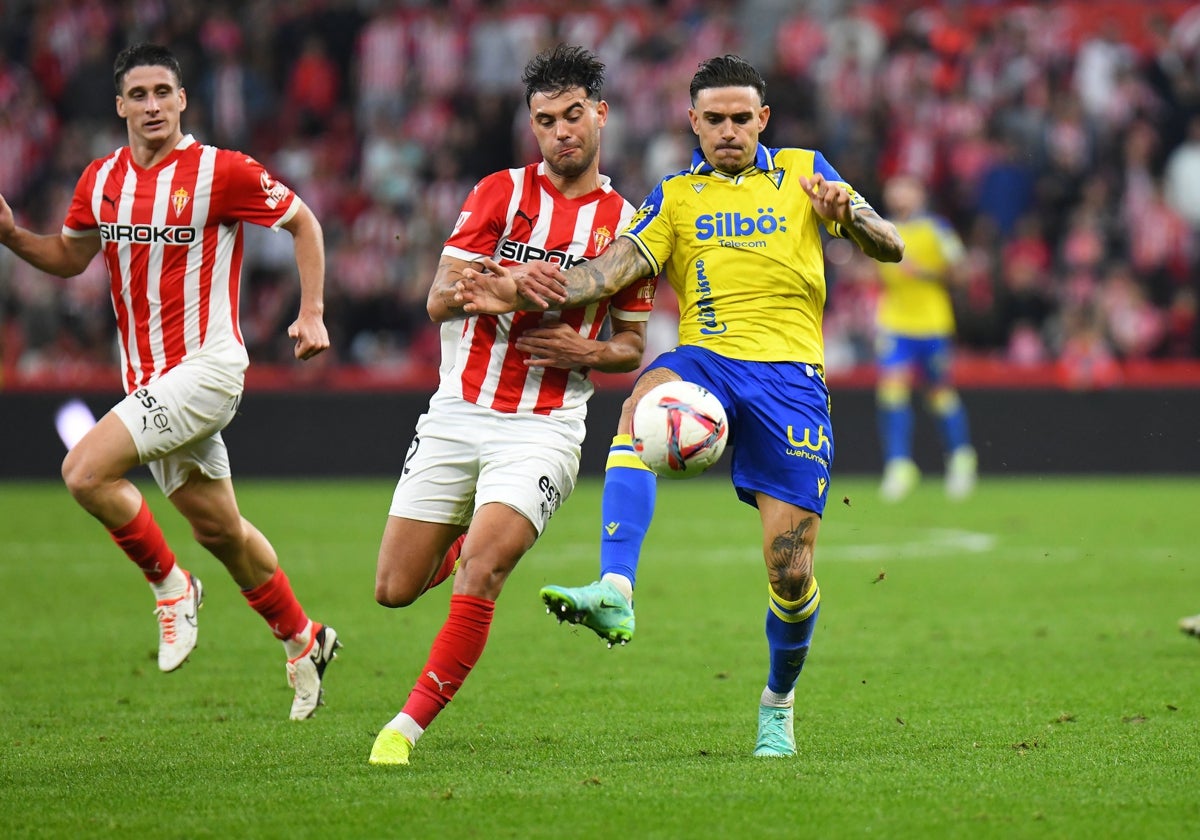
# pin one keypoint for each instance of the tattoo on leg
(790, 561)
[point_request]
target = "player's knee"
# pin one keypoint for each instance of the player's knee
(893, 393)
(625, 423)
(483, 576)
(943, 401)
(791, 584)
(83, 481)
(393, 593)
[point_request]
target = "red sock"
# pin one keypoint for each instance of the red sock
(275, 602)
(456, 649)
(143, 541)
(447, 568)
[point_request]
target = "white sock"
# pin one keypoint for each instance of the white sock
(622, 583)
(173, 586)
(406, 726)
(778, 701)
(296, 645)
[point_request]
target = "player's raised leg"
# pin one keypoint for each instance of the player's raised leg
(94, 471)
(626, 509)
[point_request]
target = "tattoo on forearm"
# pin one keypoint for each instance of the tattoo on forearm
(790, 561)
(876, 236)
(610, 272)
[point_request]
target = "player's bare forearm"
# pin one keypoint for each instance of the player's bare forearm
(876, 236)
(441, 304)
(560, 345)
(623, 351)
(309, 243)
(55, 254)
(620, 265)
(308, 329)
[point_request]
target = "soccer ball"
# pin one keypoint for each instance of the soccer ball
(679, 429)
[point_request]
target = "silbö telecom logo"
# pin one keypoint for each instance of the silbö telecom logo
(734, 229)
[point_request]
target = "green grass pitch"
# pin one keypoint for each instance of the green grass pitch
(1005, 667)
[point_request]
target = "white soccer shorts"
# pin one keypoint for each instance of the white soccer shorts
(464, 456)
(176, 422)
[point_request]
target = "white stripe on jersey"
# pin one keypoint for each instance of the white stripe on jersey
(158, 217)
(124, 216)
(191, 288)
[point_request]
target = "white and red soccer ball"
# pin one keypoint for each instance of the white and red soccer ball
(679, 429)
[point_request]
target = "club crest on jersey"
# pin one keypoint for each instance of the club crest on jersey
(776, 177)
(276, 192)
(601, 236)
(179, 200)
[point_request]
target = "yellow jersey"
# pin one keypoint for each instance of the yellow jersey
(743, 254)
(915, 299)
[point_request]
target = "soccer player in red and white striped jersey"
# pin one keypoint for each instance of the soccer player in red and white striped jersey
(498, 450)
(165, 213)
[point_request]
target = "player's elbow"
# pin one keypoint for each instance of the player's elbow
(892, 251)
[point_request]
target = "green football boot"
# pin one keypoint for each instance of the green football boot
(599, 606)
(775, 735)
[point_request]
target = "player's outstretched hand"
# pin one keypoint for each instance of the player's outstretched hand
(310, 335)
(830, 199)
(556, 345)
(541, 283)
(498, 289)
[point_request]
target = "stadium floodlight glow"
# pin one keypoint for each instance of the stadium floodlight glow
(73, 420)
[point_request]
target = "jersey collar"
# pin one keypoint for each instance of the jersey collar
(763, 159)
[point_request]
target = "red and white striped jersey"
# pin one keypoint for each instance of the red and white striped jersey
(171, 238)
(514, 216)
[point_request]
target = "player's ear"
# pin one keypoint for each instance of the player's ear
(601, 113)
(183, 99)
(764, 114)
(695, 121)
(120, 106)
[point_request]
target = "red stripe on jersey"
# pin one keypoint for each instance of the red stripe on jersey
(235, 281)
(555, 380)
(124, 318)
(482, 339)
(174, 267)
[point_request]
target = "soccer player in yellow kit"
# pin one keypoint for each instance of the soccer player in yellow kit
(915, 341)
(737, 235)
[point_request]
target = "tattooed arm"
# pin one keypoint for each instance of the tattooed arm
(539, 285)
(876, 236)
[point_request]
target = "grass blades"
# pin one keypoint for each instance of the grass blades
(1005, 667)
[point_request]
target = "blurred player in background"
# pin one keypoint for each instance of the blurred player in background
(915, 343)
(166, 213)
(1190, 625)
(498, 450)
(738, 236)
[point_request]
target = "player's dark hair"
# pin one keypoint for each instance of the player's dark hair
(563, 68)
(728, 71)
(144, 55)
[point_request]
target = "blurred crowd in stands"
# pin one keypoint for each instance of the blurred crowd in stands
(1062, 139)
